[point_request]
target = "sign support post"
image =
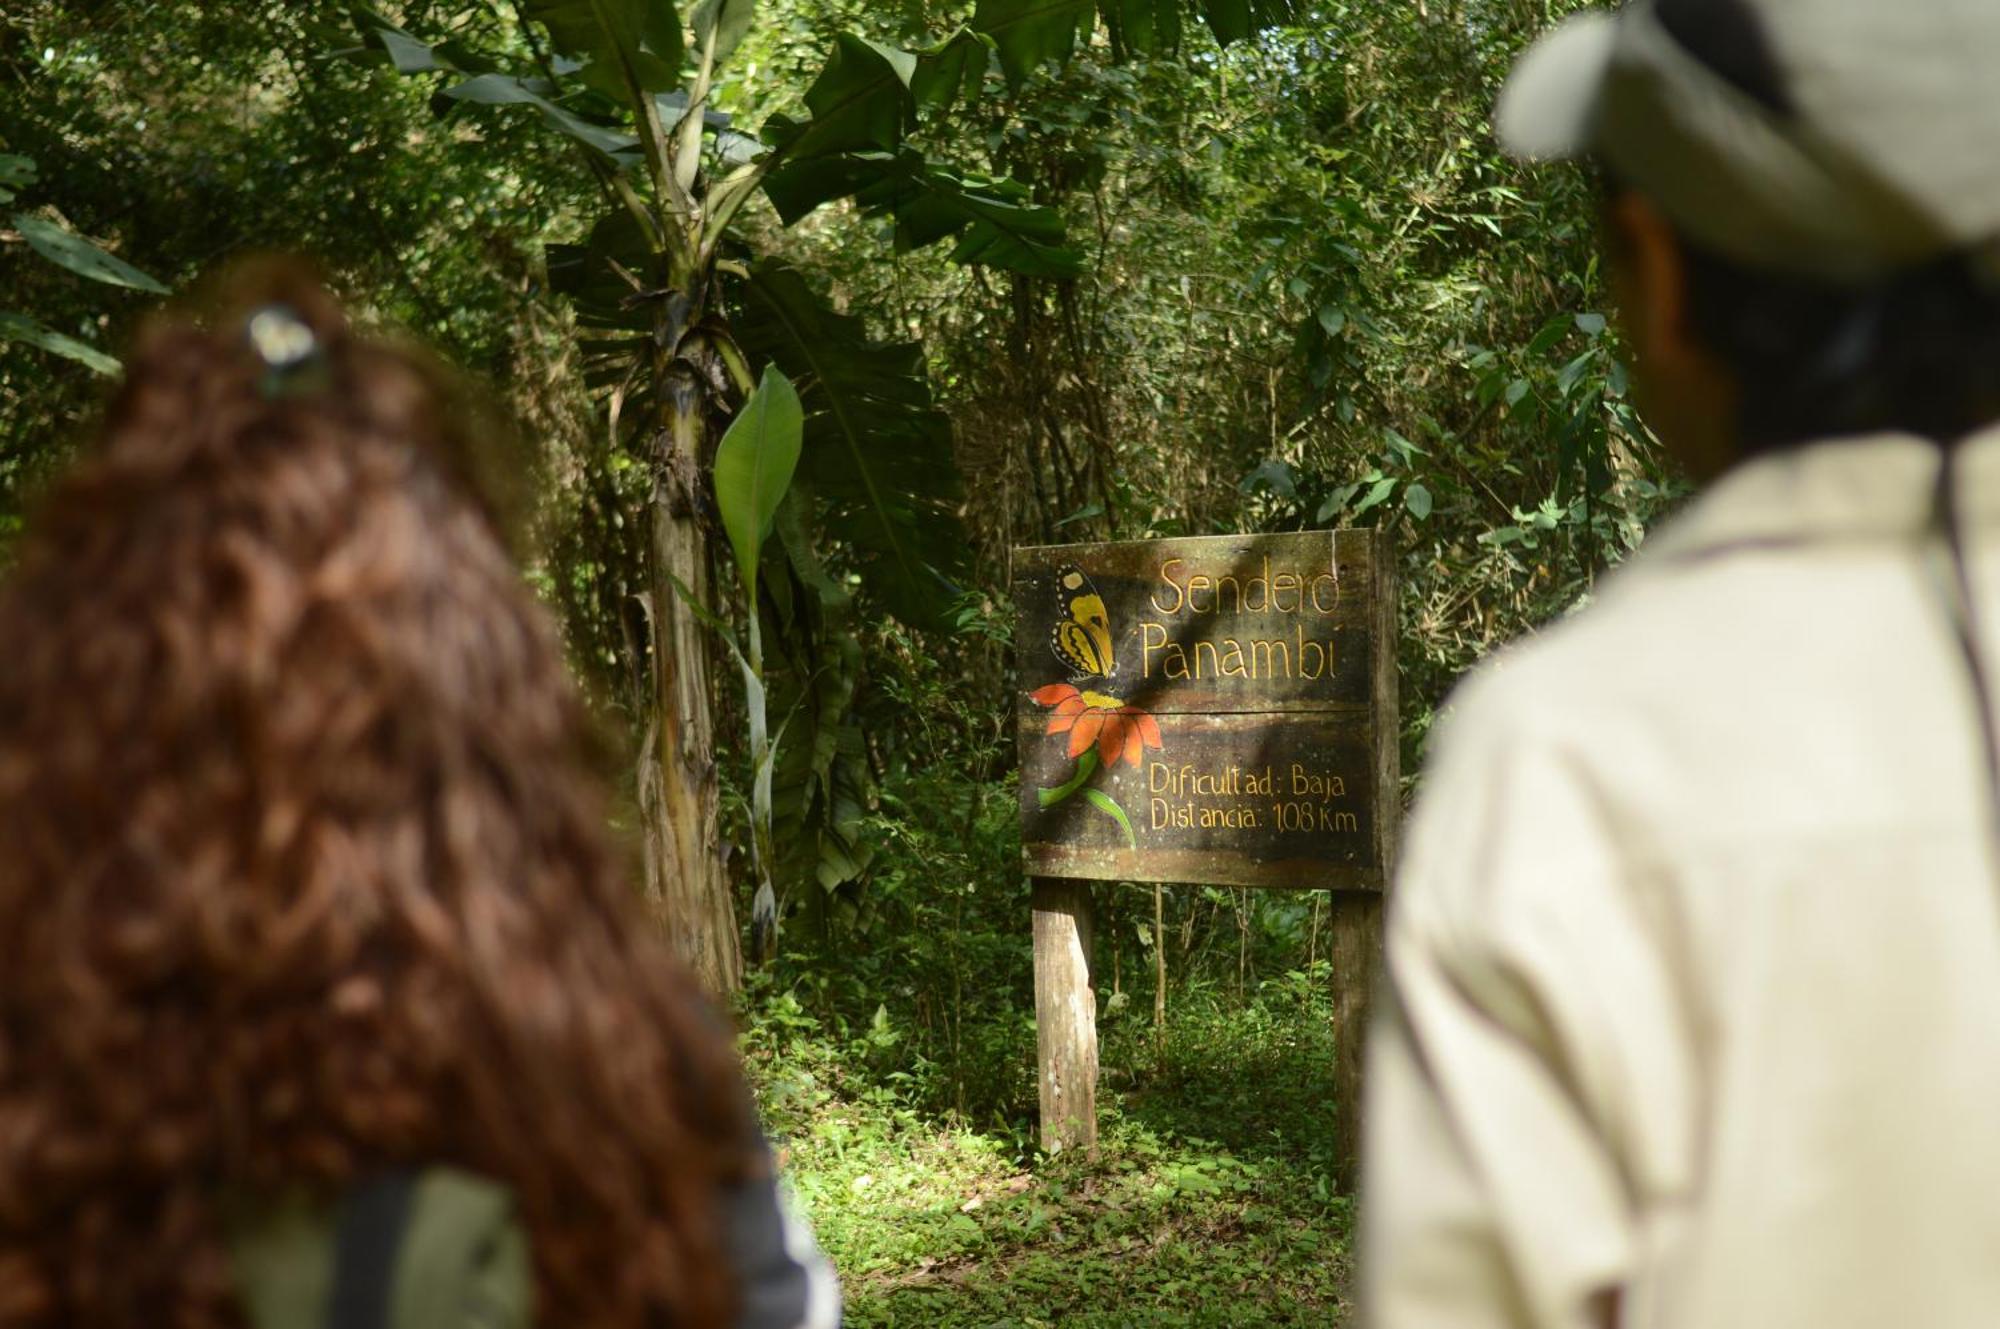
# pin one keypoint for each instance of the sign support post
(1356, 945)
(1217, 710)
(1065, 1015)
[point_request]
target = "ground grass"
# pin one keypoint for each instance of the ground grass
(1211, 1202)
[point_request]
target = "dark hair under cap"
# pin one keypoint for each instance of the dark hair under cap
(1727, 36)
(1918, 352)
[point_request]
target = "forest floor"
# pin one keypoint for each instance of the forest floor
(1212, 1202)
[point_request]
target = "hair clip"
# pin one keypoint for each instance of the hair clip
(292, 356)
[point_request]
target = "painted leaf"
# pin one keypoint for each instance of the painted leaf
(754, 465)
(21, 328)
(70, 250)
(1104, 803)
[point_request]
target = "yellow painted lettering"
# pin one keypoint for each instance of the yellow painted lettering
(1147, 645)
(1167, 576)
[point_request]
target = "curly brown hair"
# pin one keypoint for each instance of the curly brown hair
(304, 869)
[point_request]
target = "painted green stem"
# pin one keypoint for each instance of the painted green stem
(1086, 766)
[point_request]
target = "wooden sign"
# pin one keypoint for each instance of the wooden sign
(1218, 710)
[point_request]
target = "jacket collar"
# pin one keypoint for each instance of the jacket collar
(1872, 487)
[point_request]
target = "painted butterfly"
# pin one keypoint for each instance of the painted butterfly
(1082, 635)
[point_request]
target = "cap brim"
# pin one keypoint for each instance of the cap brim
(1548, 108)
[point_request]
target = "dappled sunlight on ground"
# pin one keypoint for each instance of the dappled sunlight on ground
(1211, 1202)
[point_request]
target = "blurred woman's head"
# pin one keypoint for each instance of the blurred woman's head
(303, 871)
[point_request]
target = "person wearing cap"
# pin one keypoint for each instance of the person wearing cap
(1692, 971)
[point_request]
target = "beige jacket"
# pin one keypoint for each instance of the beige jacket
(1693, 963)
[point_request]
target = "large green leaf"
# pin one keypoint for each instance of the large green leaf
(504, 90)
(72, 251)
(952, 69)
(997, 223)
(638, 41)
(408, 53)
(878, 452)
(728, 19)
(1029, 33)
(860, 100)
(1141, 27)
(21, 328)
(588, 274)
(754, 465)
(819, 793)
(1229, 20)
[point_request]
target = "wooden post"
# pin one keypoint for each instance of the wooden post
(1354, 943)
(1065, 1015)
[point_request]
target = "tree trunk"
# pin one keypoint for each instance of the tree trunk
(685, 883)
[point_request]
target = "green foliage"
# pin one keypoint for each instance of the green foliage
(1031, 33)
(69, 251)
(66, 249)
(1038, 270)
(878, 452)
(1213, 1203)
(21, 328)
(718, 25)
(504, 90)
(861, 100)
(16, 174)
(623, 43)
(753, 467)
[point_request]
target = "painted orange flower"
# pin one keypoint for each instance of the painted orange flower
(1120, 732)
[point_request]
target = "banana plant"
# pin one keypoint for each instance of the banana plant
(754, 464)
(667, 304)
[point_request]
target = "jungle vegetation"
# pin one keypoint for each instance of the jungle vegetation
(811, 310)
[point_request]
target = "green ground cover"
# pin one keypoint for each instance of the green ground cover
(1211, 1203)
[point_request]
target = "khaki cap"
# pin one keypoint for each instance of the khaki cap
(1890, 155)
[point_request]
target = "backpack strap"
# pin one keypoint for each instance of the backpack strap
(368, 1235)
(438, 1249)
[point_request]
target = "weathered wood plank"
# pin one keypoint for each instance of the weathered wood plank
(1217, 710)
(1174, 607)
(1241, 800)
(1065, 1015)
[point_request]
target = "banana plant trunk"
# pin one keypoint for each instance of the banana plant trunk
(685, 879)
